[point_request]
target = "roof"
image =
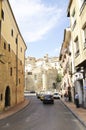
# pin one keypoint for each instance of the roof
(65, 38)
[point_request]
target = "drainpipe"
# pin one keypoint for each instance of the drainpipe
(0, 17)
(83, 80)
(16, 66)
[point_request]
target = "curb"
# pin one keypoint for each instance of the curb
(81, 121)
(11, 111)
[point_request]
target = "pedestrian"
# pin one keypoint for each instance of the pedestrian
(69, 96)
(77, 100)
(66, 96)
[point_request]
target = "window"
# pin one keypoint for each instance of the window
(11, 71)
(9, 47)
(21, 49)
(73, 19)
(84, 34)
(4, 45)
(2, 14)
(1, 97)
(16, 40)
(29, 73)
(76, 47)
(20, 62)
(12, 32)
(0, 27)
(19, 80)
(35, 77)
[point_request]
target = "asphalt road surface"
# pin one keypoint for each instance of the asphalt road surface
(39, 116)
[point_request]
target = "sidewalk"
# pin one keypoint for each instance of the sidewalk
(79, 113)
(14, 109)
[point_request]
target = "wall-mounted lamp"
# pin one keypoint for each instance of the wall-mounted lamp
(2, 55)
(82, 71)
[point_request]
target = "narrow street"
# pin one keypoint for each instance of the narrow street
(39, 116)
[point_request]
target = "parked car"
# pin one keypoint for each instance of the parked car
(56, 95)
(40, 94)
(41, 97)
(48, 98)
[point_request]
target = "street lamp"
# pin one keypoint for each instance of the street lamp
(82, 71)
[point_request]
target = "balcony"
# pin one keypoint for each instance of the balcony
(74, 24)
(85, 43)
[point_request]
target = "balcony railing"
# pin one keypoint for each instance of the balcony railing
(77, 53)
(82, 6)
(74, 24)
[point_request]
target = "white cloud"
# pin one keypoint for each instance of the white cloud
(34, 18)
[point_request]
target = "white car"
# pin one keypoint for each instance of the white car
(56, 95)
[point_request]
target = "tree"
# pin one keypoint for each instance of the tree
(59, 78)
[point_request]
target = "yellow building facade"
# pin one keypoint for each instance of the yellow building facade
(12, 58)
(77, 14)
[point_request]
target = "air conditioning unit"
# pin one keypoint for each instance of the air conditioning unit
(78, 76)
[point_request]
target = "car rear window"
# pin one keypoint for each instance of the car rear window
(48, 95)
(55, 93)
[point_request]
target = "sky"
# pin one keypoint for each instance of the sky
(42, 24)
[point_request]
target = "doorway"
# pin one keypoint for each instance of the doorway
(7, 97)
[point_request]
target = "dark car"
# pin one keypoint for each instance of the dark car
(32, 91)
(48, 99)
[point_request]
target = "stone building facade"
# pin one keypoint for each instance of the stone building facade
(12, 58)
(77, 14)
(41, 73)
